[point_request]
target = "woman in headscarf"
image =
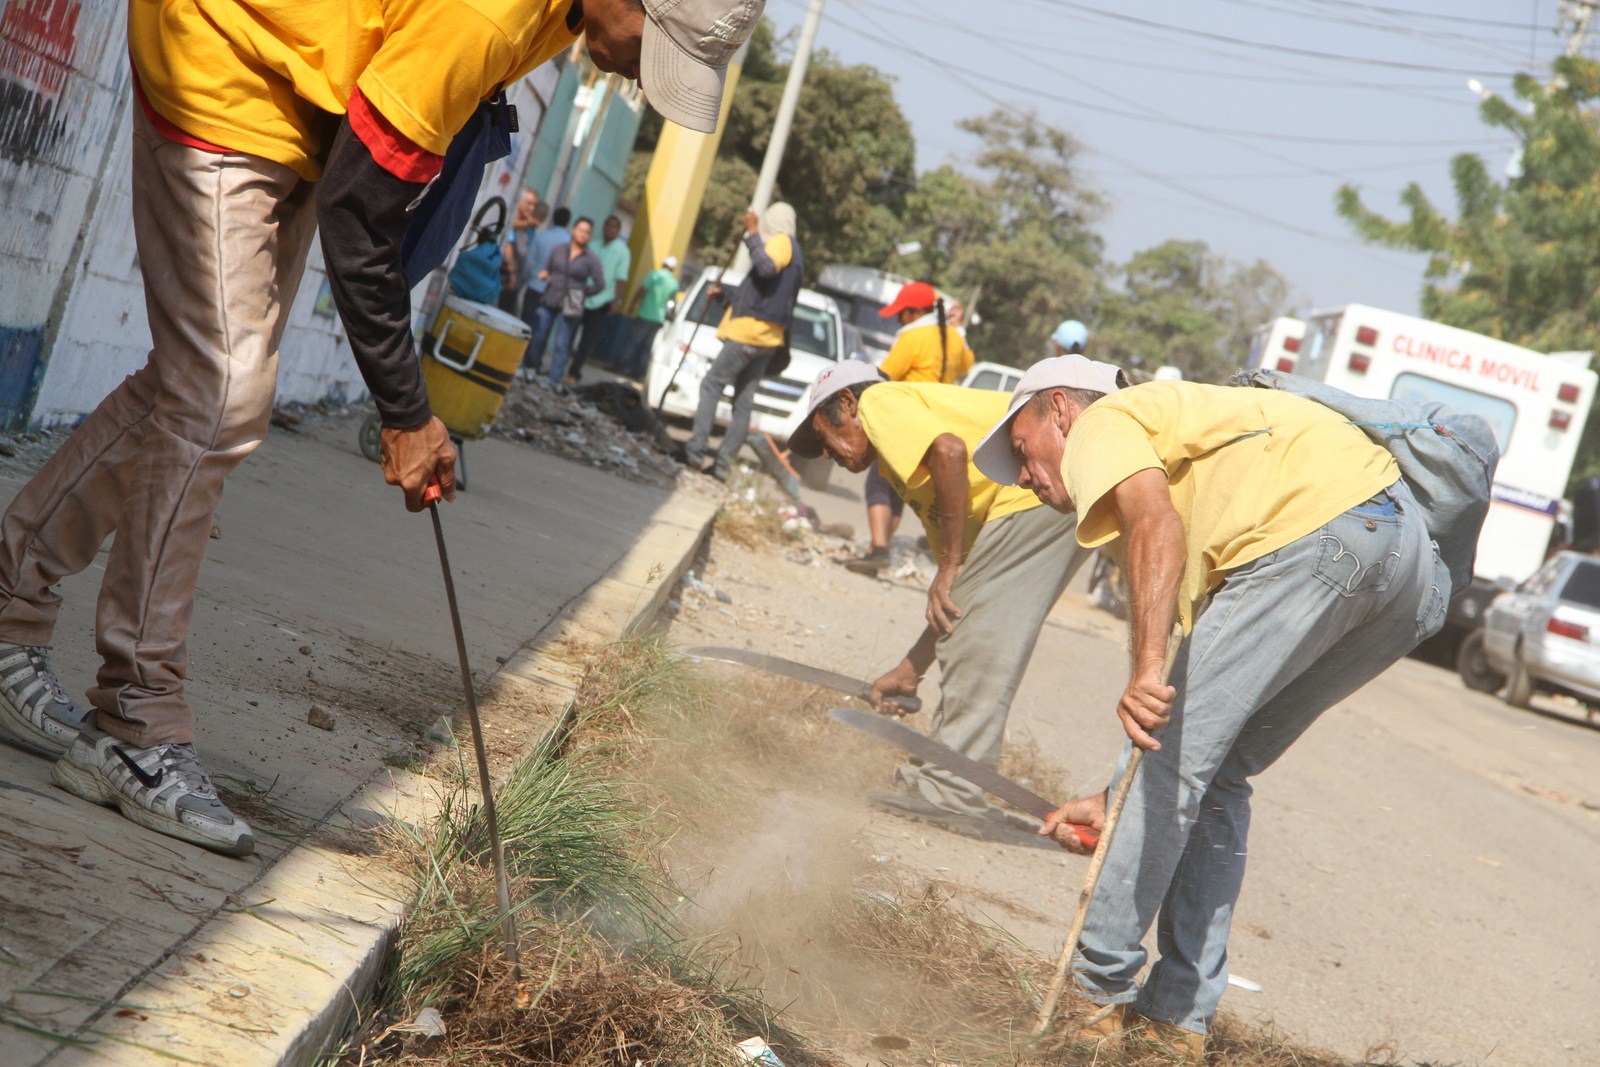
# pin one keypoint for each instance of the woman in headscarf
(752, 332)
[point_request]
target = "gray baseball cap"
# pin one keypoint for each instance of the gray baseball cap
(834, 378)
(685, 53)
(993, 455)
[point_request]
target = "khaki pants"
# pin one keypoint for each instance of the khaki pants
(1014, 574)
(222, 243)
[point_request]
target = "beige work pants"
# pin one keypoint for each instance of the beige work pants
(1015, 572)
(222, 242)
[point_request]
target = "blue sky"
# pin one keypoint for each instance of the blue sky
(1227, 121)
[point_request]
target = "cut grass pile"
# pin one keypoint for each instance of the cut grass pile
(660, 771)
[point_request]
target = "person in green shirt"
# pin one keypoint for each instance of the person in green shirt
(649, 310)
(599, 323)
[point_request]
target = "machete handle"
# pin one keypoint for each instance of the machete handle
(907, 705)
(1086, 834)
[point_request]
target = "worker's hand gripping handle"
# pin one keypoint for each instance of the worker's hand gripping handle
(907, 705)
(432, 493)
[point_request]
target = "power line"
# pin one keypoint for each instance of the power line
(965, 78)
(1276, 49)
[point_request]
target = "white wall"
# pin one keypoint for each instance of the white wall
(69, 276)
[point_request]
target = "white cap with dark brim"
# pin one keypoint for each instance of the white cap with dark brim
(993, 456)
(804, 442)
(684, 55)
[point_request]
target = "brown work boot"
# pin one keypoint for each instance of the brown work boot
(1107, 1024)
(1183, 1046)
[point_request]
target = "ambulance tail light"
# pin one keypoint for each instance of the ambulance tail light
(1560, 420)
(1292, 344)
(1285, 364)
(1359, 363)
(1567, 628)
(1568, 393)
(1366, 335)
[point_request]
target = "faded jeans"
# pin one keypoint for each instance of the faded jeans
(741, 366)
(1284, 638)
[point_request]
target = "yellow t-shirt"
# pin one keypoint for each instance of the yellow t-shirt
(1250, 470)
(902, 419)
(748, 331)
(915, 355)
(262, 76)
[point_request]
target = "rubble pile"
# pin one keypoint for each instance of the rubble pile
(590, 424)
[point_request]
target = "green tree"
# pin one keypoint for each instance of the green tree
(1521, 259)
(1180, 305)
(1015, 238)
(847, 167)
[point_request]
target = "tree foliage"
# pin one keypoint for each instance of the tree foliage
(1183, 306)
(1012, 230)
(1520, 260)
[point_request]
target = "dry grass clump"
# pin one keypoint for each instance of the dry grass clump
(591, 1005)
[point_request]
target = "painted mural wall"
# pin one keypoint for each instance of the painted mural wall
(72, 316)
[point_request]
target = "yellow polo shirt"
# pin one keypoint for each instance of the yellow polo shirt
(915, 354)
(902, 419)
(264, 76)
(1250, 470)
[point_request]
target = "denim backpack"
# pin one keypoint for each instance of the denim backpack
(1447, 458)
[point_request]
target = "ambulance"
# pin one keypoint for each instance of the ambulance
(1276, 345)
(1537, 405)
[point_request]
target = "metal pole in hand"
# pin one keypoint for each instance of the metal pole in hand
(1058, 984)
(502, 886)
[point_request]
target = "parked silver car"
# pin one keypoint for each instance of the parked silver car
(1544, 635)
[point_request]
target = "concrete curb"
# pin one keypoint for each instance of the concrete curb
(299, 951)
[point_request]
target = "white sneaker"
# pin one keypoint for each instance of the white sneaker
(35, 712)
(162, 788)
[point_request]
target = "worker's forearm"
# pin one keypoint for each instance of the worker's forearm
(946, 460)
(1155, 572)
(922, 653)
(362, 217)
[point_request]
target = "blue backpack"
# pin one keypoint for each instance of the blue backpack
(476, 272)
(1447, 458)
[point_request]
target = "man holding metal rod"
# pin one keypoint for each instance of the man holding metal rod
(1285, 542)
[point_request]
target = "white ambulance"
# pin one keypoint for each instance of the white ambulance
(1276, 344)
(1537, 405)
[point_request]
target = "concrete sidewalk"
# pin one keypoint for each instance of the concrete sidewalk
(130, 947)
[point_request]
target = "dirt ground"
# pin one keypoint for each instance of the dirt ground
(1421, 862)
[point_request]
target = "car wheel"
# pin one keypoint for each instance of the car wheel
(1477, 673)
(1519, 690)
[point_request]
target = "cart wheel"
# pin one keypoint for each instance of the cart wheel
(461, 462)
(370, 439)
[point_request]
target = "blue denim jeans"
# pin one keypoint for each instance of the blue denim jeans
(540, 320)
(1284, 638)
(566, 328)
(741, 366)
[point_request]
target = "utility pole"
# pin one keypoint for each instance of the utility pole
(784, 119)
(1578, 13)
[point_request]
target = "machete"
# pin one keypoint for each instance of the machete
(800, 672)
(928, 750)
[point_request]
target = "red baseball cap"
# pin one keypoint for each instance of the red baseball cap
(911, 295)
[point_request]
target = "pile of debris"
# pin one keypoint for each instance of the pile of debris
(605, 424)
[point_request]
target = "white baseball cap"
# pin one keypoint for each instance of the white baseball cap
(993, 456)
(842, 375)
(671, 263)
(685, 52)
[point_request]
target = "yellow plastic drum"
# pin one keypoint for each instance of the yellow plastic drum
(470, 356)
